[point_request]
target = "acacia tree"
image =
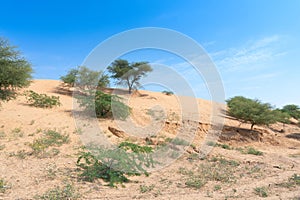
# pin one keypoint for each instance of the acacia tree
(252, 111)
(293, 110)
(15, 71)
(129, 74)
(85, 77)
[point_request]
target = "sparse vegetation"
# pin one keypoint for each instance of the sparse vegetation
(261, 191)
(3, 186)
(42, 100)
(145, 188)
(253, 151)
(67, 192)
(50, 138)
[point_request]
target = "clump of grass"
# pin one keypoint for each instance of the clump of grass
(3, 186)
(17, 132)
(224, 146)
(2, 134)
(50, 138)
(261, 191)
(249, 150)
(2, 147)
(253, 151)
(66, 192)
(178, 141)
(211, 143)
(145, 188)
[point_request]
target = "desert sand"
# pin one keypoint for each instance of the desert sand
(27, 175)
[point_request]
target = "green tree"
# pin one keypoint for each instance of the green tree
(86, 78)
(282, 117)
(129, 74)
(70, 77)
(15, 71)
(252, 111)
(293, 110)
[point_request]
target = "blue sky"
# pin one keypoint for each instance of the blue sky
(254, 44)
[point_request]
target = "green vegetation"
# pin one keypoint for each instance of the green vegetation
(216, 169)
(261, 191)
(70, 77)
(67, 192)
(42, 100)
(169, 93)
(292, 110)
(129, 74)
(145, 188)
(249, 150)
(114, 165)
(50, 138)
(15, 71)
(2, 186)
(105, 105)
(252, 111)
(180, 142)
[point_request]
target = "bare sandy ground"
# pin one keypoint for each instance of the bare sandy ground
(26, 175)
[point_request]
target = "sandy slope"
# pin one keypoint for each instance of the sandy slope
(28, 175)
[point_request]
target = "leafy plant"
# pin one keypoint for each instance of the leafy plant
(169, 93)
(105, 105)
(42, 100)
(67, 192)
(114, 165)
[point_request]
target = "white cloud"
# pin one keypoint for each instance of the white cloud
(247, 56)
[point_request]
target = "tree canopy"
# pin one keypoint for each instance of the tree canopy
(252, 111)
(293, 110)
(85, 77)
(129, 74)
(15, 71)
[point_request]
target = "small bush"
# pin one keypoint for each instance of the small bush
(105, 105)
(113, 166)
(261, 191)
(253, 151)
(67, 192)
(50, 138)
(169, 93)
(224, 146)
(42, 100)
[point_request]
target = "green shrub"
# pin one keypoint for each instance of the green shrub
(113, 165)
(167, 92)
(42, 100)
(105, 105)
(253, 151)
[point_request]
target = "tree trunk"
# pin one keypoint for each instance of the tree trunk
(129, 89)
(252, 126)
